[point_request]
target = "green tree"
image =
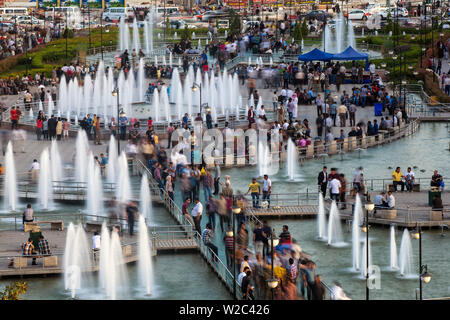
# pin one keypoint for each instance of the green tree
(389, 26)
(297, 34)
(167, 25)
(13, 292)
(69, 33)
(235, 23)
(186, 33)
(304, 29)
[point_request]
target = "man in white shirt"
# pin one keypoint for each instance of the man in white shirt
(319, 103)
(329, 137)
(96, 244)
(335, 186)
(34, 169)
(267, 189)
(328, 122)
(242, 275)
(372, 70)
(391, 200)
(409, 177)
(196, 214)
(388, 123)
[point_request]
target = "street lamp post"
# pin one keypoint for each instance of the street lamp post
(116, 94)
(432, 32)
(272, 283)
(101, 32)
(394, 58)
(235, 210)
(425, 21)
(423, 269)
(67, 31)
(89, 24)
(196, 86)
(165, 21)
(397, 26)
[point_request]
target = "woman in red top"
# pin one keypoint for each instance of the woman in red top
(13, 116)
(150, 122)
(39, 128)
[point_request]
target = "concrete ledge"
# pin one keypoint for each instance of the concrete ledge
(436, 215)
(51, 261)
(388, 214)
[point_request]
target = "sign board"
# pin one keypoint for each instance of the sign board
(93, 3)
(115, 3)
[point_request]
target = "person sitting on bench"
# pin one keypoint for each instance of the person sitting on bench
(390, 201)
(28, 250)
(436, 179)
(44, 248)
(380, 200)
(397, 176)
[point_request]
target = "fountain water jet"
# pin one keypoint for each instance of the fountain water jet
(335, 236)
(145, 201)
(45, 181)
(393, 250)
(10, 183)
(292, 159)
(77, 259)
(321, 219)
(405, 255)
(145, 259)
(357, 221)
(82, 148)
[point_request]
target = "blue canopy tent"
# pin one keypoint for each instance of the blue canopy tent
(350, 54)
(316, 55)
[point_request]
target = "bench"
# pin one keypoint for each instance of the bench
(436, 215)
(387, 213)
(54, 225)
(48, 261)
(126, 250)
(416, 187)
(93, 226)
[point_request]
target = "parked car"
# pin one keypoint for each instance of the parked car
(28, 19)
(358, 14)
(250, 24)
(176, 24)
(320, 15)
(212, 15)
(402, 12)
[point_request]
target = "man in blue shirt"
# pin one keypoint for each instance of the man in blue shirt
(204, 58)
(123, 120)
(209, 120)
(375, 127)
(89, 126)
(185, 120)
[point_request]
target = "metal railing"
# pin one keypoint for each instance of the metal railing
(419, 103)
(290, 199)
(212, 259)
(318, 149)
